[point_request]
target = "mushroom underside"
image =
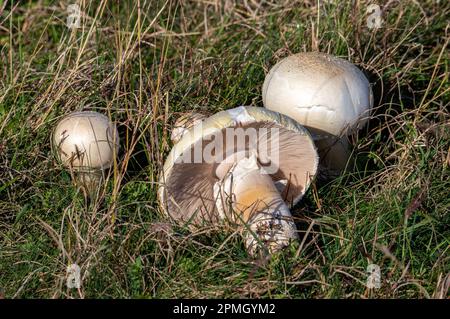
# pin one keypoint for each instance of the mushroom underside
(189, 187)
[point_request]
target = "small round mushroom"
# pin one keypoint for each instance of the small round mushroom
(242, 166)
(184, 123)
(86, 143)
(328, 95)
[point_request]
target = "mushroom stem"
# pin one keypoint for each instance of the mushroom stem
(89, 182)
(334, 153)
(258, 206)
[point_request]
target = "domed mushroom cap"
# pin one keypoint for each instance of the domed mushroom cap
(327, 94)
(284, 148)
(184, 123)
(86, 140)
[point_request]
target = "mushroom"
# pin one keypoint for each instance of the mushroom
(184, 123)
(328, 95)
(86, 143)
(242, 166)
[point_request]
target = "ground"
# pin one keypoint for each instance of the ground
(144, 63)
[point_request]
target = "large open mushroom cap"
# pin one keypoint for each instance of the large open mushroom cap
(328, 95)
(86, 141)
(285, 149)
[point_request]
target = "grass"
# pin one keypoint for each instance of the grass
(143, 63)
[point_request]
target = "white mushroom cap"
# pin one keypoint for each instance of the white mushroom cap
(187, 189)
(184, 123)
(326, 94)
(86, 141)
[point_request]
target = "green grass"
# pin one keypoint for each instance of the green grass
(144, 67)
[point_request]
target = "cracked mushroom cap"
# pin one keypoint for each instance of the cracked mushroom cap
(86, 140)
(328, 95)
(284, 148)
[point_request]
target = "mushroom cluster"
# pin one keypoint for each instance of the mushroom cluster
(245, 166)
(314, 101)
